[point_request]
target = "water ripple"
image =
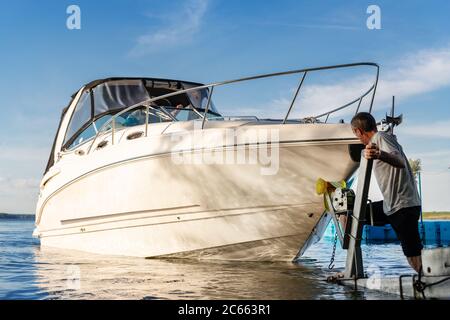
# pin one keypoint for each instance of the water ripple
(28, 272)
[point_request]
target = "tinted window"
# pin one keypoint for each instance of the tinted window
(88, 133)
(199, 99)
(118, 94)
(81, 116)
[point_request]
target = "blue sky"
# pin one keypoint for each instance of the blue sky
(42, 63)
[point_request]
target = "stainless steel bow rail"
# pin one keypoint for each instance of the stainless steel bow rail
(110, 124)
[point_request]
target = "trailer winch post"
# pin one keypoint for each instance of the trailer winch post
(354, 264)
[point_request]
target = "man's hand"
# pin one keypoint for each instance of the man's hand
(372, 151)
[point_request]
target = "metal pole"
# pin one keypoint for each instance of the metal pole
(354, 264)
(295, 96)
(374, 89)
(112, 130)
(393, 106)
(393, 112)
(420, 194)
(422, 230)
(359, 105)
(207, 107)
(147, 110)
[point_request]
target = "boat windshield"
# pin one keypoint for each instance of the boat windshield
(98, 104)
(199, 99)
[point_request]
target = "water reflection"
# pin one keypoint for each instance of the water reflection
(63, 274)
(105, 277)
(30, 272)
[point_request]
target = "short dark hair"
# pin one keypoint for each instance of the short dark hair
(364, 121)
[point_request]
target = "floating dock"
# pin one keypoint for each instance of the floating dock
(433, 284)
(404, 286)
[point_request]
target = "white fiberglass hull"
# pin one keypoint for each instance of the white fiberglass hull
(131, 199)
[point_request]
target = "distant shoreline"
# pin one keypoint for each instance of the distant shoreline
(17, 216)
(436, 215)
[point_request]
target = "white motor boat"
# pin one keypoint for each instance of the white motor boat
(149, 168)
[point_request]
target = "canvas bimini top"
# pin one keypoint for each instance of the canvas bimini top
(101, 99)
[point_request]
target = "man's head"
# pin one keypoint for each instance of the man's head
(364, 126)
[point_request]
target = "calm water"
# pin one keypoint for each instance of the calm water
(28, 272)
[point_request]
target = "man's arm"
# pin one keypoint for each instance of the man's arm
(372, 151)
(393, 158)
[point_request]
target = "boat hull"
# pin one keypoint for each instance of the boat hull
(150, 205)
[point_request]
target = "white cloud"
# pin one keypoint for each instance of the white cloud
(422, 72)
(433, 154)
(418, 73)
(435, 176)
(311, 25)
(438, 129)
(435, 191)
(21, 168)
(9, 184)
(433, 162)
(24, 153)
(179, 30)
(318, 99)
(18, 195)
(408, 76)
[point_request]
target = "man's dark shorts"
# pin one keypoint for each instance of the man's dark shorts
(405, 224)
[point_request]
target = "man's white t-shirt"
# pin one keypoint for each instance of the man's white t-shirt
(397, 185)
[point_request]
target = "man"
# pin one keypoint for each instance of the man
(401, 205)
